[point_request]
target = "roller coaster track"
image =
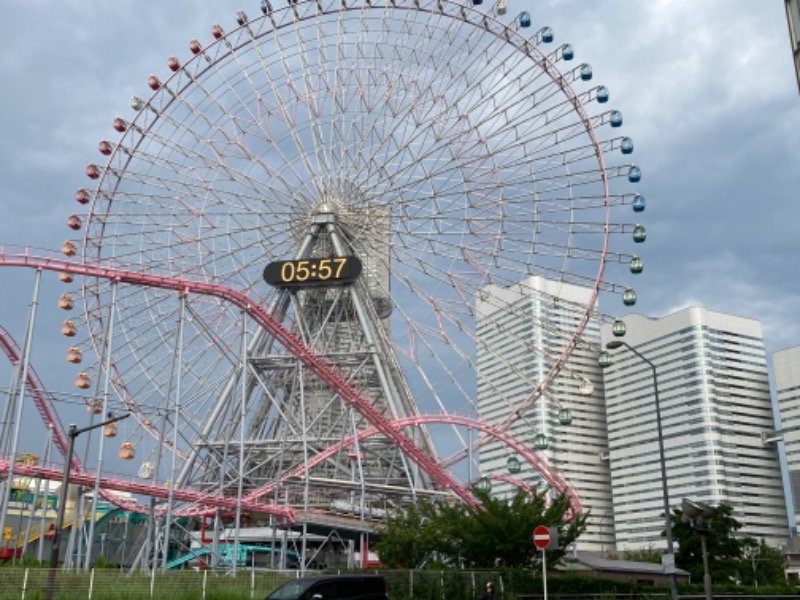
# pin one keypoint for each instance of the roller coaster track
(300, 351)
(200, 500)
(533, 458)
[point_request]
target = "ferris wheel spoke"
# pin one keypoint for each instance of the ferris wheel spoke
(417, 346)
(393, 110)
(299, 103)
(411, 95)
(260, 132)
(343, 92)
(234, 142)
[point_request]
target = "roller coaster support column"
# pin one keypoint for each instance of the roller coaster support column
(175, 380)
(18, 392)
(62, 500)
(43, 518)
(107, 338)
(242, 439)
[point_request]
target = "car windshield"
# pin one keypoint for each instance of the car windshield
(291, 590)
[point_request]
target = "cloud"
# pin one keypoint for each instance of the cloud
(735, 288)
(707, 89)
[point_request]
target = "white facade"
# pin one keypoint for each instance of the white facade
(522, 330)
(786, 366)
(714, 396)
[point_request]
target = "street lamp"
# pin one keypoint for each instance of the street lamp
(698, 516)
(670, 565)
(62, 501)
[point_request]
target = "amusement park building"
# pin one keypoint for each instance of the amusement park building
(533, 321)
(786, 366)
(714, 396)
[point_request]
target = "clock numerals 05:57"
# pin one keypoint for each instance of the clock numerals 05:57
(335, 270)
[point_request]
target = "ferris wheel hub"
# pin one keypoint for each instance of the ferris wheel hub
(326, 208)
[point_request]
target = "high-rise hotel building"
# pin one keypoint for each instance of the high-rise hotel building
(786, 367)
(714, 396)
(530, 323)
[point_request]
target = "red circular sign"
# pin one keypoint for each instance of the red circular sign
(51, 532)
(541, 537)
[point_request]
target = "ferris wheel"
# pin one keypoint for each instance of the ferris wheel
(391, 181)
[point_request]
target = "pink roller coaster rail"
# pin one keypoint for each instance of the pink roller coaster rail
(380, 425)
(200, 499)
(299, 350)
(547, 472)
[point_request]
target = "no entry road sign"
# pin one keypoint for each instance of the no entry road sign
(541, 537)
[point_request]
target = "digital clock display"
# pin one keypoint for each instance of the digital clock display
(335, 270)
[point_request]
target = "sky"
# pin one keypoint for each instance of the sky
(707, 88)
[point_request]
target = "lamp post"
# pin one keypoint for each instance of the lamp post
(613, 345)
(62, 500)
(698, 516)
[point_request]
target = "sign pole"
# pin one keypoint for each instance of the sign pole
(544, 571)
(542, 538)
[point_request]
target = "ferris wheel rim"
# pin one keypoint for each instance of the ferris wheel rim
(98, 217)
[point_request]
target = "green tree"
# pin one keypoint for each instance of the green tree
(496, 532)
(408, 539)
(761, 564)
(725, 551)
(649, 554)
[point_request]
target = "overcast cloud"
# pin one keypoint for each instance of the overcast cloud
(707, 88)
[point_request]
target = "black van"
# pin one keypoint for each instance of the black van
(333, 587)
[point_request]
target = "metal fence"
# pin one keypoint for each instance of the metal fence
(19, 582)
(112, 584)
(107, 584)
